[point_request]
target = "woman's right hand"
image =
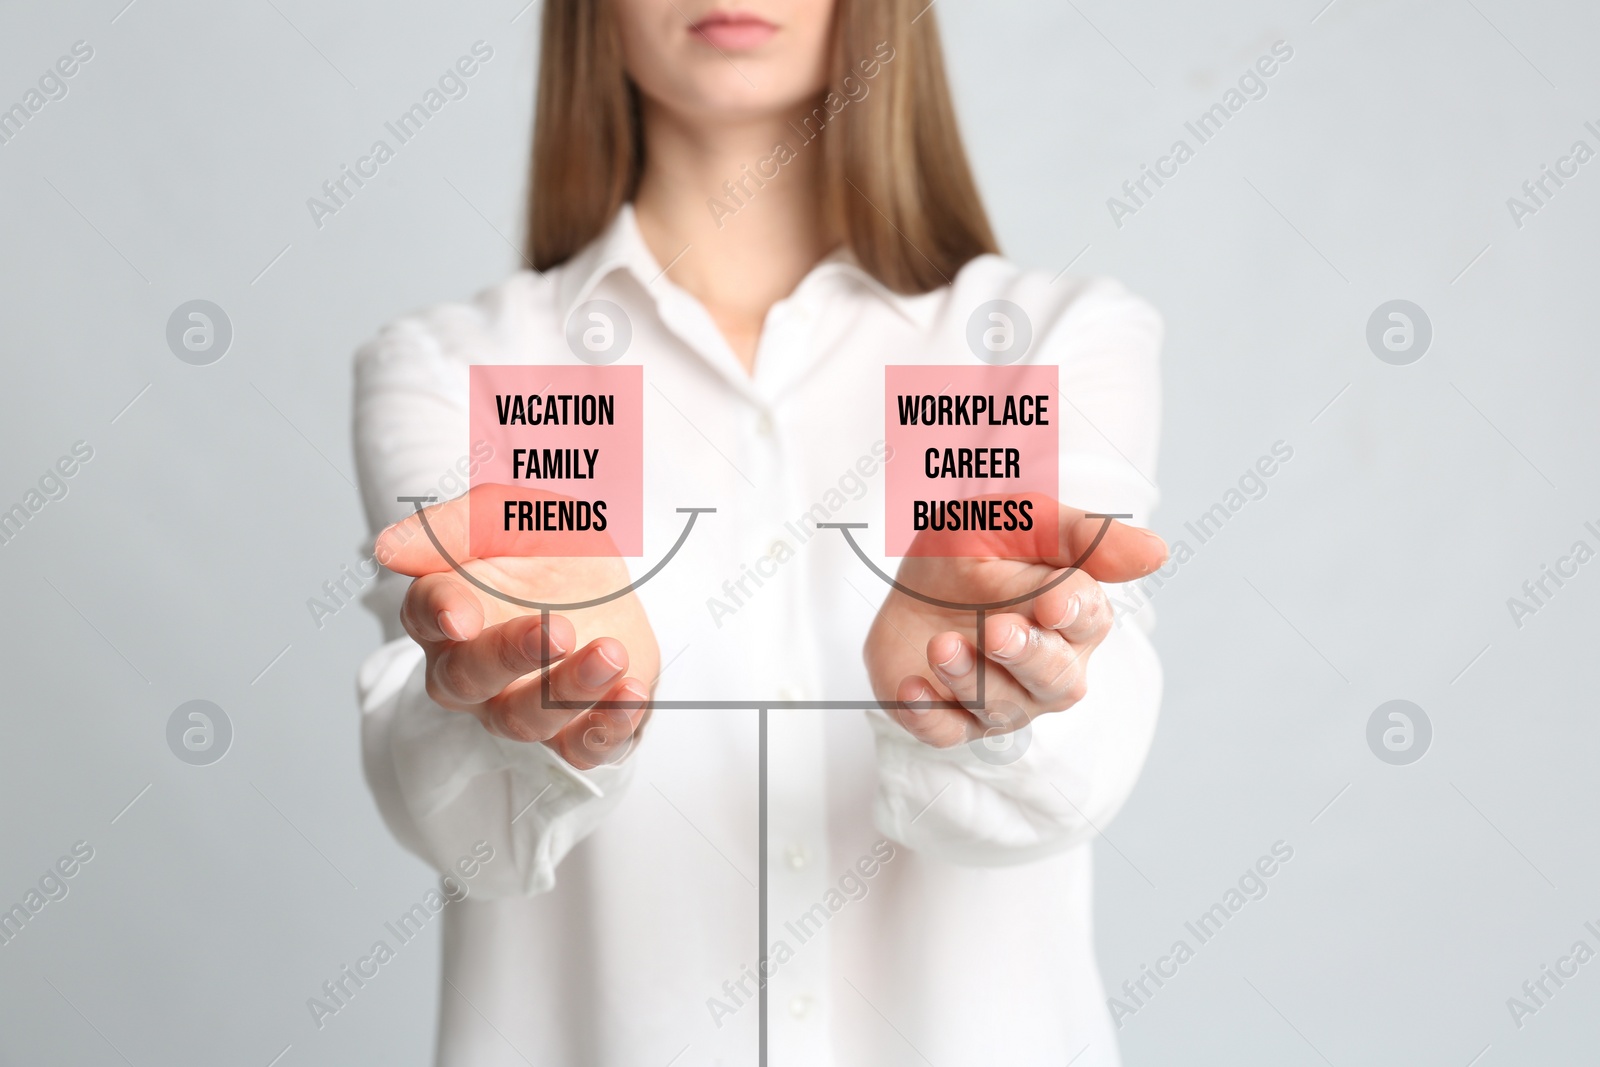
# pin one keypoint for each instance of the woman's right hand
(489, 658)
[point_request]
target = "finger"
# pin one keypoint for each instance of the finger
(939, 727)
(406, 548)
(954, 661)
(1078, 609)
(519, 711)
(441, 607)
(1041, 661)
(1007, 707)
(1005, 704)
(1121, 555)
(470, 672)
(604, 735)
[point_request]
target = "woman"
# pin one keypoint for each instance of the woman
(774, 200)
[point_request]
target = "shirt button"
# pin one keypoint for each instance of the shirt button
(790, 693)
(764, 425)
(800, 1006)
(779, 548)
(797, 856)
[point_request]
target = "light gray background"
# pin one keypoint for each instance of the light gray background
(1378, 566)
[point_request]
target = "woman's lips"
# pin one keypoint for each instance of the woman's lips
(733, 31)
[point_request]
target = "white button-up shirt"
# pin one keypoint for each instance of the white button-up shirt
(925, 906)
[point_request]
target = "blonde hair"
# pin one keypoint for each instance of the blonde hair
(897, 186)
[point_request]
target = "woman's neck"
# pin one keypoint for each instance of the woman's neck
(730, 233)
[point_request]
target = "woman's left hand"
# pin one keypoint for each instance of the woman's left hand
(1038, 651)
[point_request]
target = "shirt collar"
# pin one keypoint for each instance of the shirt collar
(622, 248)
(619, 247)
(841, 262)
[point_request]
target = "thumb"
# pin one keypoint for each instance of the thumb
(1122, 554)
(406, 548)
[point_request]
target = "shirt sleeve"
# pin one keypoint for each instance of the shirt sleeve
(440, 780)
(1076, 767)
